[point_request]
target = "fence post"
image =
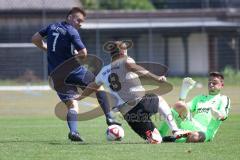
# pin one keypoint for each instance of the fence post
(45, 71)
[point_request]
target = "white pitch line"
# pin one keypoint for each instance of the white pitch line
(25, 88)
(87, 104)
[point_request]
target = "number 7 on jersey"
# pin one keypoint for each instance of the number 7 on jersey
(56, 35)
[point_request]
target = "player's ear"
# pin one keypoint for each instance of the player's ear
(69, 17)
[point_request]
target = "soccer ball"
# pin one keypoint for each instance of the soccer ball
(114, 133)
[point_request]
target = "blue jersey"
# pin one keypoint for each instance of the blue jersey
(62, 39)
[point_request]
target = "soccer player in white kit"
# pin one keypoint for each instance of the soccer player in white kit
(121, 80)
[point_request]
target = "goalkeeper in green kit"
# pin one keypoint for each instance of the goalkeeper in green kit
(203, 115)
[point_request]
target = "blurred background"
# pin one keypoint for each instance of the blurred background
(190, 37)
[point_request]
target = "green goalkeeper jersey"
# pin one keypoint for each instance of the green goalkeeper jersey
(201, 117)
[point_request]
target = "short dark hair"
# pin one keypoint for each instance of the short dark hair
(76, 10)
(216, 74)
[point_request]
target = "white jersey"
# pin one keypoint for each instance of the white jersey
(123, 85)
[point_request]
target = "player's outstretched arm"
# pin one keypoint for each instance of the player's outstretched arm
(139, 70)
(92, 87)
(37, 39)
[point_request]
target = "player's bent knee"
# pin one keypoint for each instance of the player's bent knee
(181, 108)
(179, 104)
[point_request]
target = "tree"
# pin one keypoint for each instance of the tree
(118, 4)
(159, 4)
(90, 4)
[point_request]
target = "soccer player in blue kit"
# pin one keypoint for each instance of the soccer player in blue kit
(61, 38)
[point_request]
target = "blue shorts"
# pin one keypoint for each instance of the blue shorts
(80, 77)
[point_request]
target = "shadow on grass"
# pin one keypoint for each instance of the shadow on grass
(95, 143)
(68, 142)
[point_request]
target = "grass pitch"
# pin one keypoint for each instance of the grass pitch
(30, 130)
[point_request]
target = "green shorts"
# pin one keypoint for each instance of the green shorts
(189, 125)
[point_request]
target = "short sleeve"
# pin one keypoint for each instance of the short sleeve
(98, 79)
(192, 104)
(44, 31)
(76, 40)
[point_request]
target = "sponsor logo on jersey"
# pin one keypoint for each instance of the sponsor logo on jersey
(109, 70)
(203, 110)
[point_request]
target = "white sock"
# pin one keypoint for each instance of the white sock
(164, 109)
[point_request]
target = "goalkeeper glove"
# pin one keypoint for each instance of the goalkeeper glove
(187, 84)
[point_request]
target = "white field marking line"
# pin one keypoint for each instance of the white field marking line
(33, 126)
(88, 104)
(25, 88)
(17, 45)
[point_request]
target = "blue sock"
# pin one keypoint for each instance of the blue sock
(72, 118)
(103, 101)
